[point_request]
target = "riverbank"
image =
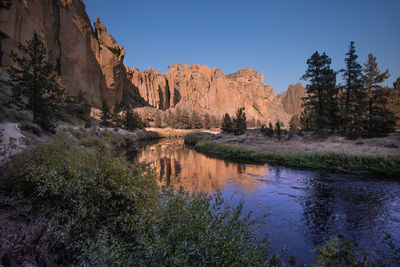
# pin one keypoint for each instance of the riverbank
(323, 157)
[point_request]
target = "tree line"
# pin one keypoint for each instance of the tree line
(361, 107)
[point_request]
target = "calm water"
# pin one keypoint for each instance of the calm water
(304, 208)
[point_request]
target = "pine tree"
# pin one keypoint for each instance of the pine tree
(320, 103)
(105, 113)
(263, 130)
(132, 120)
(380, 120)
(294, 123)
(270, 130)
(34, 77)
(207, 121)
(226, 125)
(355, 103)
(239, 122)
(278, 129)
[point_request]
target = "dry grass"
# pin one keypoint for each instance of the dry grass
(334, 144)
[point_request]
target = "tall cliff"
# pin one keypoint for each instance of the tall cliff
(88, 60)
(211, 91)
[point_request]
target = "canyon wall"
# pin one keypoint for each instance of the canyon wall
(88, 59)
(211, 91)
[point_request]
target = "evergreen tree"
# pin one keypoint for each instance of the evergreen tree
(207, 121)
(380, 120)
(355, 102)
(227, 126)
(320, 103)
(270, 130)
(239, 123)
(263, 130)
(132, 120)
(35, 78)
(294, 123)
(105, 113)
(278, 129)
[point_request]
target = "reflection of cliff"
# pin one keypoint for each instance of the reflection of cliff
(181, 166)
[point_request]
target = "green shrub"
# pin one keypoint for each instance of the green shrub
(112, 212)
(85, 190)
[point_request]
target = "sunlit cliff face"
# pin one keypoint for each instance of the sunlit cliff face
(180, 166)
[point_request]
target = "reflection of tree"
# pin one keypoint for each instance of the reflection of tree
(241, 168)
(344, 206)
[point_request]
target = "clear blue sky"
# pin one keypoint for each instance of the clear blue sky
(275, 37)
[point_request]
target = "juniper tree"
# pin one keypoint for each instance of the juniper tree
(355, 102)
(226, 125)
(239, 122)
(380, 120)
(35, 78)
(320, 103)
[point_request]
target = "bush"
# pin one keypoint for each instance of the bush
(86, 191)
(112, 212)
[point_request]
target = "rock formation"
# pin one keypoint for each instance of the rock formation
(211, 91)
(87, 60)
(291, 98)
(90, 60)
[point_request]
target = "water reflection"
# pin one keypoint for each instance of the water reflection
(305, 208)
(179, 166)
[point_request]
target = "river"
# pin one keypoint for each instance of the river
(304, 208)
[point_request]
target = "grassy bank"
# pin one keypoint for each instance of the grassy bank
(380, 165)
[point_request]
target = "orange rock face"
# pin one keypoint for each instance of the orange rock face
(87, 60)
(211, 91)
(90, 60)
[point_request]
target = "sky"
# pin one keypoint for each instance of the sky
(275, 37)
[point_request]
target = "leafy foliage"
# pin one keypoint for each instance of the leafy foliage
(35, 78)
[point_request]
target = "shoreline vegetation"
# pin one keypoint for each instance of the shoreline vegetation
(336, 162)
(77, 199)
